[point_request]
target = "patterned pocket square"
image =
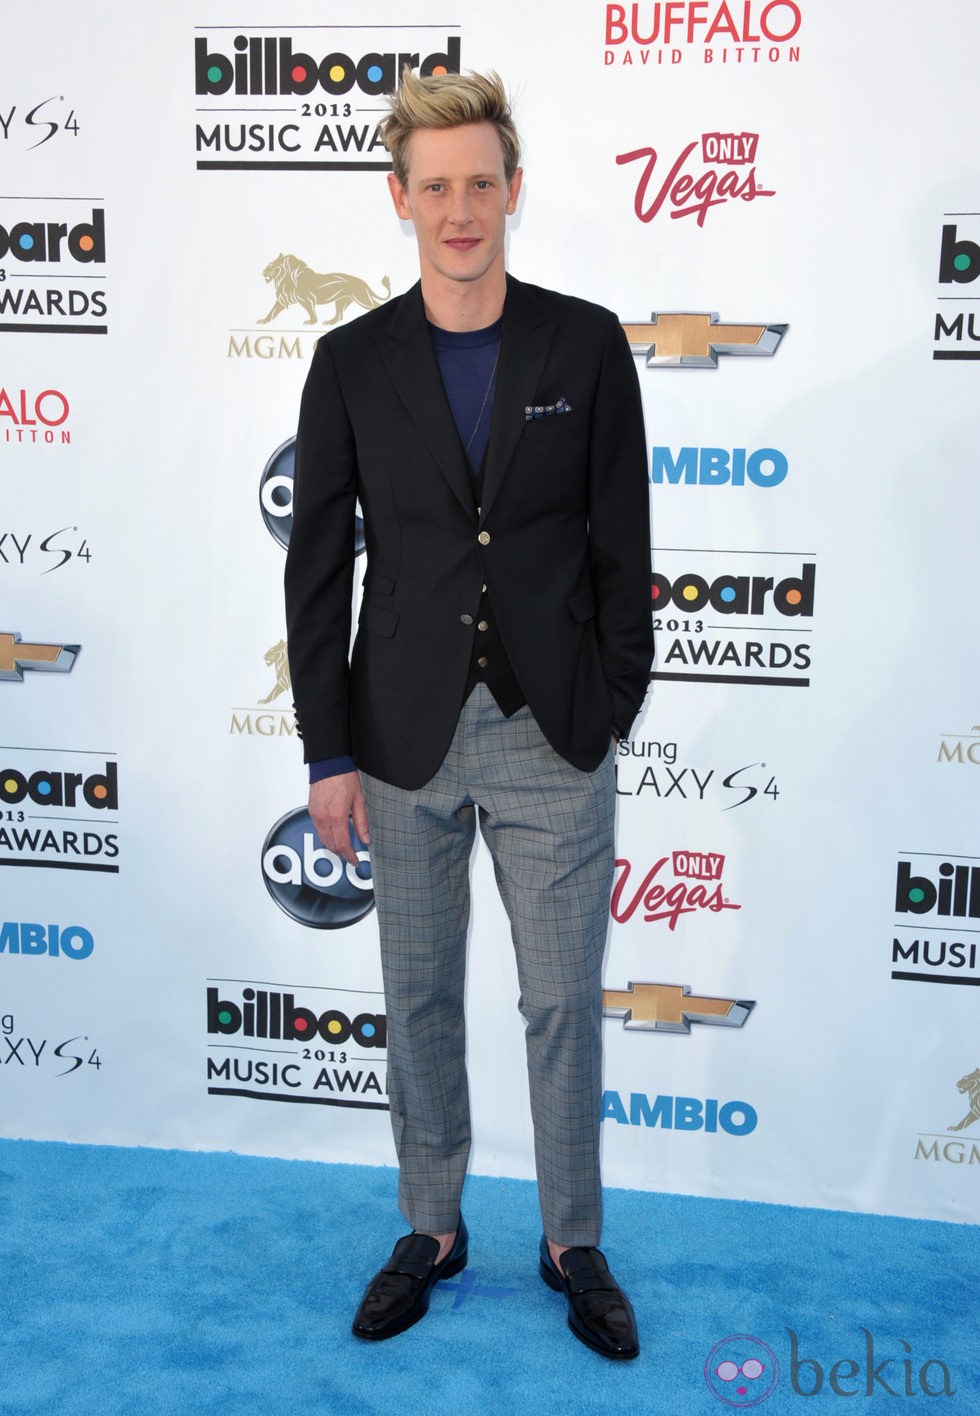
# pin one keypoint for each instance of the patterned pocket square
(533, 411)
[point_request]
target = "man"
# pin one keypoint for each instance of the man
(494, 436)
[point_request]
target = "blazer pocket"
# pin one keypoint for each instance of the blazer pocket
(552, 424)
(375, 619)
(375, 584)
(582, 604)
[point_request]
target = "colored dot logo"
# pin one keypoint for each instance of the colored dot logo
(215, 74)
(962, 262)
(917, 896)
(741, 1371)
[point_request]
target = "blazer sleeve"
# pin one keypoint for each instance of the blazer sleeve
(619, 530)
(320, 563)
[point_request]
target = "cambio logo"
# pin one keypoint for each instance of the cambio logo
(718, 467)
(310, 883)
(69, 941)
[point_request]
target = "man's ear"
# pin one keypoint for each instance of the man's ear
(398, 197)
(514, 190)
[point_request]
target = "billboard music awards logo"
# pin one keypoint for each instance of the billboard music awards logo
(956, 332)
(52, 265)
(683, 883)
(308, 100)
(308, 882)
(34, 416)
(708, 606)
(718, 467)
(320, 298)
(652, 767)
(59, 809)
(272, 716)
(706, 173)
(936, 933)
(940, 1147)
(709, 32)
(323, 1046)
(676, 339)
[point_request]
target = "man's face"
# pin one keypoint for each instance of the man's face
(457, 198)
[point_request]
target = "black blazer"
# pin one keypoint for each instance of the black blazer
(561, 540)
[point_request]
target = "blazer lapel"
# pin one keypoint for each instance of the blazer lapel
(525, 339)
(406, 347)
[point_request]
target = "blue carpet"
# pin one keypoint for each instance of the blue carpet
(171, 1282)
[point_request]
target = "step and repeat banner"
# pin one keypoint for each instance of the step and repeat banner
(781, 202)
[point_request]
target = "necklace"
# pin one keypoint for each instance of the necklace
(483, 405)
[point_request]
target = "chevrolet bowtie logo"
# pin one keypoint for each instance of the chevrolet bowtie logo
(670, 1007)
(16, 656)
(694, 341)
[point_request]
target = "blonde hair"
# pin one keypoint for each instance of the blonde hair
(448, 101)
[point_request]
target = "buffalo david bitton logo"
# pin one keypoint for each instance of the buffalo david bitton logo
(671, 1007)
(16, 656)
(686, 340)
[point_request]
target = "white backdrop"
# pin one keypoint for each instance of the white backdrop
(800, 846)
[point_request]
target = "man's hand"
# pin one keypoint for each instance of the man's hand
(334, 802)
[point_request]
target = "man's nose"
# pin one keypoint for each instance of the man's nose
(460, 213)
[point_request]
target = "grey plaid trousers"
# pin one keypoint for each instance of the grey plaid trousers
(549, 828)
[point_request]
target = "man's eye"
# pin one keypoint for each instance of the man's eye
(483, 185)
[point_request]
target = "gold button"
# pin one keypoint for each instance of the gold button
(484, 538)
(466, 619)
(482, 625)
(482, 663)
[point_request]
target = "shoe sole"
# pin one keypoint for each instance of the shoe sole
(450, 1271)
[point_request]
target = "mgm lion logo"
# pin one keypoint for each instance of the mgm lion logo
(970, 1084)
(277, 659)
(296, 284)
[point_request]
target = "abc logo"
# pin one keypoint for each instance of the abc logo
(276, 496)
(310, 883)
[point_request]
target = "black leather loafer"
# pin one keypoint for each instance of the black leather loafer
(599, 1312)
(399, 1295)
